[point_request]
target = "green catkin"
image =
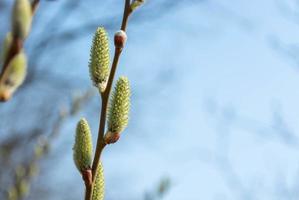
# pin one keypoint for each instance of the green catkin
(99, 185)
(6, 46)
(21, 18)
(13, 76)
(119, 107)
(16, 70)
(100, 59)
(82, 150)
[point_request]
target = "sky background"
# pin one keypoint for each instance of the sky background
(214, 98)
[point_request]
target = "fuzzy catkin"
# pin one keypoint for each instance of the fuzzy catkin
(21, 18)
(99, 185)
(100, 59)
(82, 150)
(6, 46)
(119, 107)
(14, 75)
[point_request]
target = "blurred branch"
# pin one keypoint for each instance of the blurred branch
(30, 164)
(278, 128)
(160, 191)
(17, 42)
(227, 118)
(290, 51)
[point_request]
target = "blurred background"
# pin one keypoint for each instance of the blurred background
(214, 101)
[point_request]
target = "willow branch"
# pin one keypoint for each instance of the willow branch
(105, 99)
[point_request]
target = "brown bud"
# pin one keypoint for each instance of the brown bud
(111, 137)
(87, 176)
(120, 38)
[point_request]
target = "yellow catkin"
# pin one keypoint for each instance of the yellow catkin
(119, 107)
(21, 18)
(82, 150)
(13, 76)
(6, 46)
(99, 185)
(100, 59)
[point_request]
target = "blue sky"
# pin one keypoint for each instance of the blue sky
(207, 84)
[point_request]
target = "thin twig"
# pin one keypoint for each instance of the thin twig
(34, 6)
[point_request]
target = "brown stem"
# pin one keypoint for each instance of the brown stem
(34, 6)
(105, 99)
(88, 192)
(127, 12)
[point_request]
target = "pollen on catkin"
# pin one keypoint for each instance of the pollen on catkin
(21, 18)
(100, 59)
(119, 107)
(13, 76)
(99, 186)
(82, 150)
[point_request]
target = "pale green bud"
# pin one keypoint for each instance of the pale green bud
(6, 46)
(13, 76)
(119, 107)
(99, 185)
(100, 59)
(136, 3)
(83, 146)
(21, 18)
